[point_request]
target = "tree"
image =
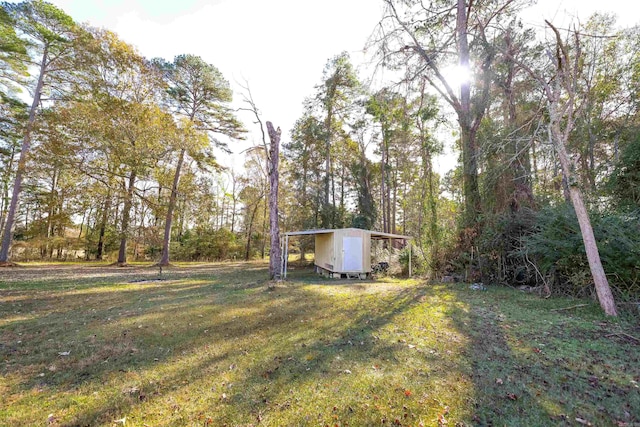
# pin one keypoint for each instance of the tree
(13, 114)
(198, 92)
(362, 172)
(51, 36)
(275, 255)
(13, 53)
(389, 110)
(272, 159)
(124, 129)
(253, 194)
(305, 154)
(563, 104)
(335, 97)
(511, 172)
(624, 182)
(419, 37)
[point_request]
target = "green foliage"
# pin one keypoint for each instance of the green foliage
(501, 244)
(13, 51)
(110, 241)
(557, 247)
(417, 266)
(206, 243)
(199, 92)
(624, 182)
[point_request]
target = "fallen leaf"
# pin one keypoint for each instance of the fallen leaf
(512, 396)
(442, 420)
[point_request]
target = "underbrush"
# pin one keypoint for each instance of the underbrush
(544, 250)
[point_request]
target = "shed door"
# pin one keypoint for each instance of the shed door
(352, 253)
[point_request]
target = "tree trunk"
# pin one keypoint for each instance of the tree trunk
(4, 203)
(103, 226)
(263, 248)
(235, 198)
(518, 155)
(22, 163)
(605, 297)
(327, 166)
(471, 190)
(467, 134)
(126, 217)
(561, 110)
(383, 168)
(164, 260)
(275, 257)
(394, 201)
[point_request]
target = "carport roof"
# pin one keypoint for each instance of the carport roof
(374, 234)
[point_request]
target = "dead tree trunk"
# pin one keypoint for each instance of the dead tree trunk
(562, 99)
(275, 257)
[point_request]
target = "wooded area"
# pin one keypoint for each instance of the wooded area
(114, 155)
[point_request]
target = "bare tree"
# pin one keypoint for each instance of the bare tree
(275, 257)
(272, 153)
(563, 105)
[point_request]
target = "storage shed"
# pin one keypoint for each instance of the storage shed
(343, 251)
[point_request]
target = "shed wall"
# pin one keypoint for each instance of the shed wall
(325, 251)
(339, 236)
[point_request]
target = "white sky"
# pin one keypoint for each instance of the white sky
(279, 46)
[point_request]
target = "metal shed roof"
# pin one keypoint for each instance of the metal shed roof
(373, 234)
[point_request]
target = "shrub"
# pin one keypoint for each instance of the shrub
(558, 250)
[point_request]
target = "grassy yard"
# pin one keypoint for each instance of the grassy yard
(211, 345)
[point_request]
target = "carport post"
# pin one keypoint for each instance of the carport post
(283, 255)
(286, 254)
(409, 258)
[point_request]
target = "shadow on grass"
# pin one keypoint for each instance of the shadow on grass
(534, 367)
(272, 353)
(168, 336)
(217, 348)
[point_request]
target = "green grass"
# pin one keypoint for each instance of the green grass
(213, 346)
